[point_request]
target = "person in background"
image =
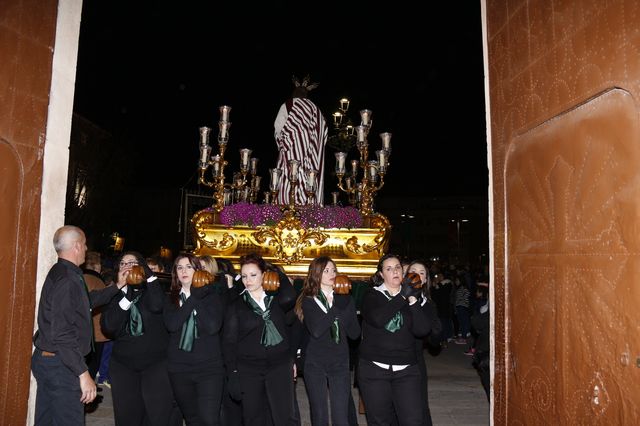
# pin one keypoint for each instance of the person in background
(225, 266)
(462, 301)
(441, 291)
(480, 322)
(433, 337)
(221, 281)
(140, 385)
(64, 335)
(194, 316)
(157, 266)
(91, 273)
(330, 320)
(110, 277)
(257, 350)
(389, 377)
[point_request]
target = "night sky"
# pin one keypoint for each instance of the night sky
(153, 72)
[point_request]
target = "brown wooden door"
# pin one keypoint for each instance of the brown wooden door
(564, 85)
(27, 33)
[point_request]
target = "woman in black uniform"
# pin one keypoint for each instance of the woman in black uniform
(388, 372)
(432, 339)
(194, 318)
(140, 385)
(257, 350)
(329, 319)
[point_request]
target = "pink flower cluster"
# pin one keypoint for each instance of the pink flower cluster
(310, 216)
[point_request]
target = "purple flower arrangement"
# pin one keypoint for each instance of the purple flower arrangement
(310, 216)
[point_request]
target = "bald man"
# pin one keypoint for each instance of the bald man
(65, 334)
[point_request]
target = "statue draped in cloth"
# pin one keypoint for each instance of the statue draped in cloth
(301, 134)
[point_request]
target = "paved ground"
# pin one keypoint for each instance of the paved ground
(455, 394)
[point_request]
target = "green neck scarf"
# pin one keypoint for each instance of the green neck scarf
(335, 329)
(189, 329)
(396, 322)
(270, 335)
(135, 318)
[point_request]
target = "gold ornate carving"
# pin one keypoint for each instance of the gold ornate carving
(380, 241)
(289, 238)
(355, 251)
(226, 242)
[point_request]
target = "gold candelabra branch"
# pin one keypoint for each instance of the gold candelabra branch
(362, 193)
(216, 164)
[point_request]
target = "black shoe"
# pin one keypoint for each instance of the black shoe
(93, 405)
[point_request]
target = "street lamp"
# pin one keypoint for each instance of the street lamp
(458, 222)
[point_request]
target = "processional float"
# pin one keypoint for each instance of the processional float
(291, 235)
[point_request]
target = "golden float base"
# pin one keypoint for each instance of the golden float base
(355, 251)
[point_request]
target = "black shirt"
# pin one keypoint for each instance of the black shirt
(138, 352)
(206, 354)
(320, 346)
(65, 326)
(243, 331)
(380, 345)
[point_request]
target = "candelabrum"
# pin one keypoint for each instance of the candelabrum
(361, 191)
(241, 188)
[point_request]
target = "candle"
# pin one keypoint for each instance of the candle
(267, 197)
(205, 150)
(245, 154)
(362, 133)
(373, 170)
(254, 166)
(340, 160)
(293, 170)
(224, 112)
(256, 183)
(365, 117)
(337, 119)
(382, 160)
(334, 197)
(216, 165)
(204, 135)
(311, 180)
(344, 104)
(386, 141)
(349, 182)
(275, 179)
(223, 126)
(354, 168)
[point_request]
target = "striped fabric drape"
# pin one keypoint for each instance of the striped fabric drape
(303, 138)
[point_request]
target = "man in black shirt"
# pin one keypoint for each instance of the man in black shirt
(65, 334)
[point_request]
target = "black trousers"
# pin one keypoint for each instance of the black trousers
(141, 394)
(424, 388)
(322, 379)
(389, 394)
(267, 390)
(199, 396)
(58, 395)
